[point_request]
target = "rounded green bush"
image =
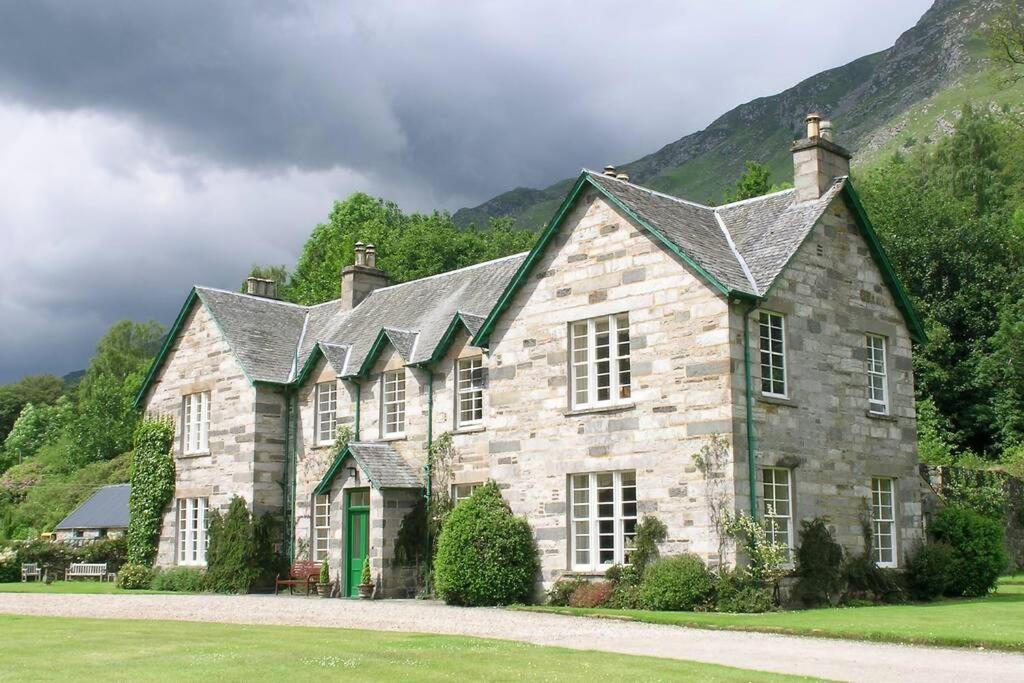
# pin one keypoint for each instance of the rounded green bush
(736, 591)
(134, 576)
(676, 583)
(179, 580)
(485, 554)
(979, 556)
(928, 570)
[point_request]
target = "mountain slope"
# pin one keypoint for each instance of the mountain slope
(865, 99)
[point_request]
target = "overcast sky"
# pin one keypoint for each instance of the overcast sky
(147, 146)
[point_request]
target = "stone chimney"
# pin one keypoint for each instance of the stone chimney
(258, 286)
(817, 160)
(362, 277)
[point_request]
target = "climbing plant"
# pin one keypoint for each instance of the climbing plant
(152, 479)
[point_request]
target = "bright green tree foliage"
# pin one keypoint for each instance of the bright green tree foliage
(754, 182)
(409, 246)
(38, 390)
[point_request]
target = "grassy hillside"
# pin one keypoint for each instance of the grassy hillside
(876, 102)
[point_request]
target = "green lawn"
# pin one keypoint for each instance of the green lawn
(57, 648)
(995, 622)
(83, 586)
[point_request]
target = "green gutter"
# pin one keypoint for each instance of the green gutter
(749, 394)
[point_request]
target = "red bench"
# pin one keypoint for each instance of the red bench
(302, 573)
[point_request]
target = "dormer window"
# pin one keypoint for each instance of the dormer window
(393, 403)
(326, 412)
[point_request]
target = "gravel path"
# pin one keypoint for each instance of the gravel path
(824, 658)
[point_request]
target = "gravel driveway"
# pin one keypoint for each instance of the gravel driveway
(824, 658)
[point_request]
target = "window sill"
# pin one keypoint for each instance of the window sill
(393, 437)
(777, 400)
(470, 429)
(322, 446)
(615, 408)
(197, 454)
(885, 417)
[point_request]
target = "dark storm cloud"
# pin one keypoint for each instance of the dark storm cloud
(151, 145)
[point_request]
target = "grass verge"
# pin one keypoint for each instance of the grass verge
(58, 648)
(995, 622)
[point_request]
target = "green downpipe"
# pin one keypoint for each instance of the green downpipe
(359, 391)
(430, 456)
(749, 391)
(290, 470)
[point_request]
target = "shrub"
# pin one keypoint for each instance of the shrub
(325, 572)
(232, 558)
(866, 581)
(978, 553)
(112, 551)
(485, 554)
(650, 531)
(10, 569)
(179, 580)
(366, 579)
(594, 594)
(52, 558)
(765, 558)
(562, 590)
(928, 570)
(624, 597)
(675, 583)
(738, 591)
(819, 564)
(134, 576)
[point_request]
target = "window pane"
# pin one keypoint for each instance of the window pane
(599, 358)
(611, 496)
(773, 356)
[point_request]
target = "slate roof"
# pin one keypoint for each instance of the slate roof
(741, 248)
(384, 467)
(107, 508)
(744, 245)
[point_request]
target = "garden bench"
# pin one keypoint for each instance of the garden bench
(302, 573)
(86, 570)
(31, 570)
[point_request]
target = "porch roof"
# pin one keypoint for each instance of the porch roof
(382, 465)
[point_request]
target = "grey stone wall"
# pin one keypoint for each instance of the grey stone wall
(832, 294)
(200, 360)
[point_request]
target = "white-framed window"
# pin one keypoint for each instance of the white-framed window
(599, 361)
(461, 492)
(878, 386)
(603, 519)
(883, 520)
(469, 391)
(326, 412)
(777, 505)
(192, 524)
(393, 403)
(197, 422)
(773, 354)
(321, 526)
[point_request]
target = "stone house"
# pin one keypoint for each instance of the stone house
(768, 336)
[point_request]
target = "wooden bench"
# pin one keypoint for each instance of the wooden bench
(31, 570)
(302, 573)
(85, 570)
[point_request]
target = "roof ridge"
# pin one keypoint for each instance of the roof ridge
(250, 296)
(298, 345)
(447, 272)
(650, 191)
(760, 197)
(736, 252)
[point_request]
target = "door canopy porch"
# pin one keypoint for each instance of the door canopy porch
(381, 464)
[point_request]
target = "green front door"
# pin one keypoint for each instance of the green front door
(357, 541)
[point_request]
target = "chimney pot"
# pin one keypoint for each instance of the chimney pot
(825, 130)
(257, 286)
(360, 249)
(621, 176)
(371, 256)
(813, 121)
(609, 171)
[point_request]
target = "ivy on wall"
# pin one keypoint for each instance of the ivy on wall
(152, 479)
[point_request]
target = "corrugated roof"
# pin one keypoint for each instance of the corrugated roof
(107, 508)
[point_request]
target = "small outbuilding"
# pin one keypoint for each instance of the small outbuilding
(103, 515)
